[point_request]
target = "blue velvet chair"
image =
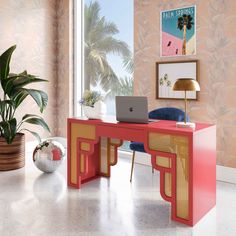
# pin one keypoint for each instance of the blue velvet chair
(165, 113)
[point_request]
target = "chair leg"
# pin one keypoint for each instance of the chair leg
(152, 170)
(132, 167)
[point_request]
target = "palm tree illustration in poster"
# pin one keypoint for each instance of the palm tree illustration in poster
(178, 32)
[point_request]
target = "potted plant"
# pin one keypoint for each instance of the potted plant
(93, 106)
(13, 92)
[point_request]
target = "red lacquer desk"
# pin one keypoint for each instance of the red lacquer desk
(186, 159)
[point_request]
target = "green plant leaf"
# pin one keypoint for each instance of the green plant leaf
(40, 97)
(15, 82)
(14, 93)
(9, 102)
(5, 61)
(9, 129)
(22, 81)
(36, 135)
(7, 109)
(19, 97)
(36, 120)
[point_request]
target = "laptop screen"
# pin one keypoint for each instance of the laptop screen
(132, 109)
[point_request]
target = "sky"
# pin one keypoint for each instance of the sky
(121, 13)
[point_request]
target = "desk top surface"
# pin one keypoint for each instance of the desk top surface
(162, 125)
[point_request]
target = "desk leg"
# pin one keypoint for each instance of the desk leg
(170, 155)
(83, 154)
(87, 153)
(108, 154)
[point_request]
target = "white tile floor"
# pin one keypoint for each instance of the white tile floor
(32, 203)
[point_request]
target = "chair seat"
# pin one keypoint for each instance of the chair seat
(137, 146)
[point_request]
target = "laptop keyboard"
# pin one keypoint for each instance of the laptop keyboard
(152, 120)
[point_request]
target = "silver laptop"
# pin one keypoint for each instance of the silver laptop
(132, 109)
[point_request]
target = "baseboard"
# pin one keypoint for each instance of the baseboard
(140, 158)
(225, 174)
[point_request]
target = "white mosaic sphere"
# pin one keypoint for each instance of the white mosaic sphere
(48, 155)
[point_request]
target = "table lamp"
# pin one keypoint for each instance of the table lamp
(186, 84)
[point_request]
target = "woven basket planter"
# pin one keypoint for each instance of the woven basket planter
(12, 156)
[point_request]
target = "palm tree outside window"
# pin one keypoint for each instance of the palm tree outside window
(108, 43)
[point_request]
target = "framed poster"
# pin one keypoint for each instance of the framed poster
(178, 32)
(168, 72)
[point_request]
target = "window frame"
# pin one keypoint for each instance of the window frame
(78, 62)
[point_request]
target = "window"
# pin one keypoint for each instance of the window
(106, 34)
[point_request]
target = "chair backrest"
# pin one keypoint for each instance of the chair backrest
(167, 113)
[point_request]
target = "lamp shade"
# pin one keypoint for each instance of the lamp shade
(186, 84)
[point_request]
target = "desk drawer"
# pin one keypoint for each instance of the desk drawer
(83, 131)
(121, 133)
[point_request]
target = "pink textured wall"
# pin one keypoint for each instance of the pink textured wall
(64, 86)
(31, 25)
(216, 52)
(42, 31)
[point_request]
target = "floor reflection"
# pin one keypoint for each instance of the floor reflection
(32, 203)
(49, 187)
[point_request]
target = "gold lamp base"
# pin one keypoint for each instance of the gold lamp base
(185, 125)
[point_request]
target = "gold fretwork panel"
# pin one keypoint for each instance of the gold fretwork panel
(113, 144)
(108, 148)
(168, 184)
(104, 158)
(82, 163)
(163, 161)
(81, 131)
(112, 154)
(180, 146)
(85, 146)
(115, 141)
